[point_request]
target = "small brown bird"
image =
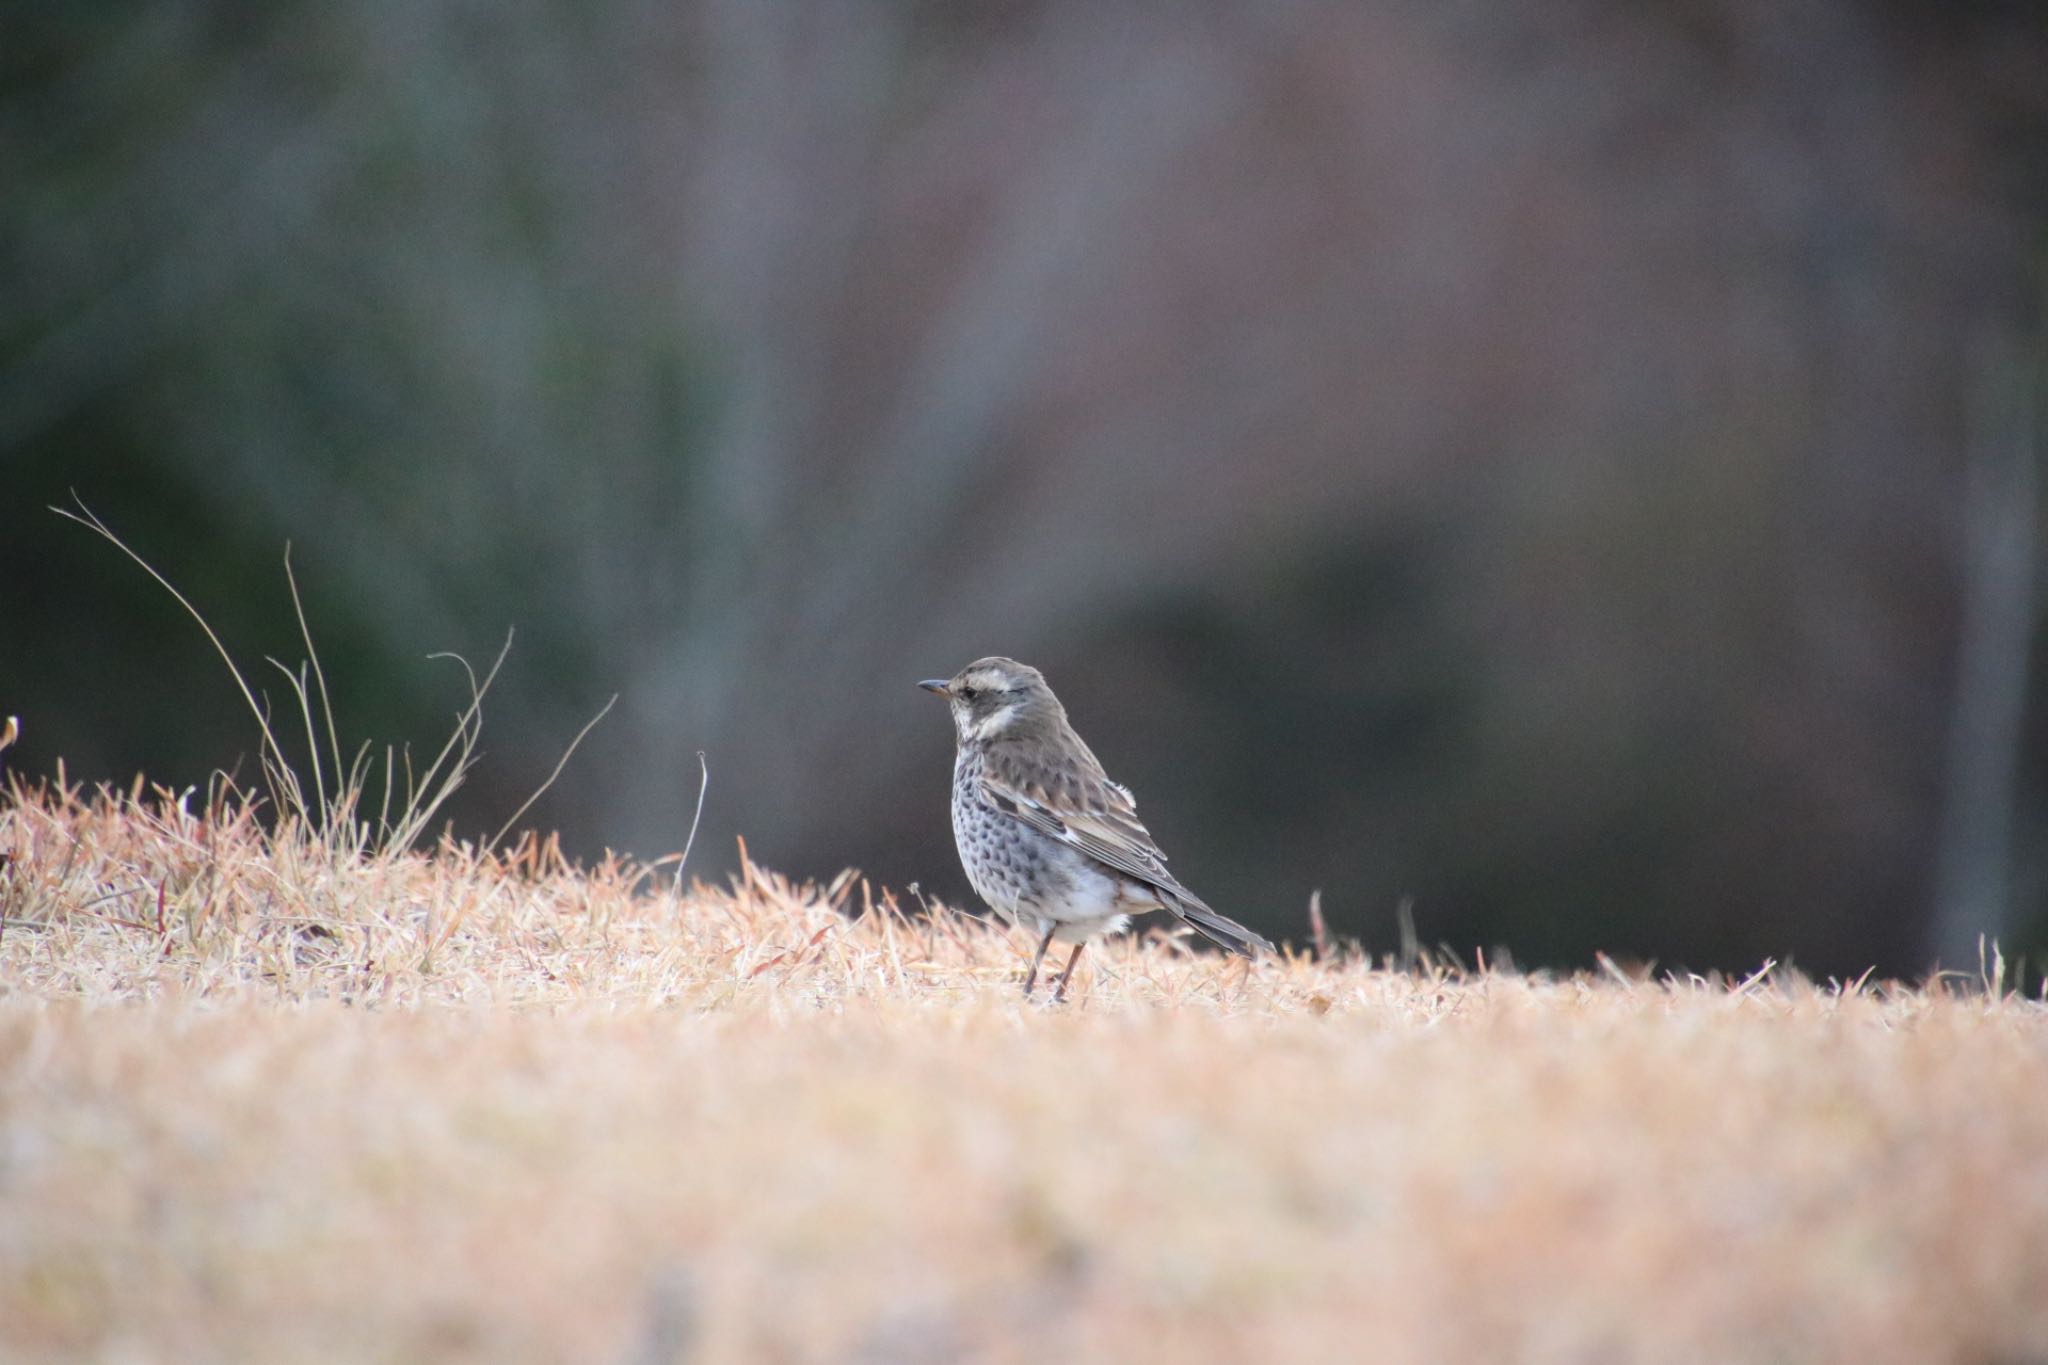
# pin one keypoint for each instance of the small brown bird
(1047, 839)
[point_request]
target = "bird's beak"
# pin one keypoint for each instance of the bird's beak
(937, 685)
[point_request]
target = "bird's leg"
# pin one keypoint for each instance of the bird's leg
(1031, 977)
(1059, 988)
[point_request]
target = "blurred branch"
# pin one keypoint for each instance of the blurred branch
(980, 353)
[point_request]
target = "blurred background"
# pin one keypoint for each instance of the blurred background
(1572, 465)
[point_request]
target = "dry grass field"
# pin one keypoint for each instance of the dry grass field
(274, 1097)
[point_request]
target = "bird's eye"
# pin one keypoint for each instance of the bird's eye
(968, 694)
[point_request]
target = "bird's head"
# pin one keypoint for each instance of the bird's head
(997, 698)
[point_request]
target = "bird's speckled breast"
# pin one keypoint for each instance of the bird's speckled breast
(1025, 875)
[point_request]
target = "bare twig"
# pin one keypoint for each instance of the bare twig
(703, 784)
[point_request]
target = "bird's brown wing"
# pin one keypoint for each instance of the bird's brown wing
(1099, 818)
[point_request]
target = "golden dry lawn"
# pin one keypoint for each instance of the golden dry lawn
(263, 1101)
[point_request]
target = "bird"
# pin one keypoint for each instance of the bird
(1046, 838)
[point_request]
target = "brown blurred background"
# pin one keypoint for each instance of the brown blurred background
(1572, 465)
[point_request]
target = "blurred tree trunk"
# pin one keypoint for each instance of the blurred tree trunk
(2001, 519)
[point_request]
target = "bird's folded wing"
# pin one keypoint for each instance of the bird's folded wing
(1103, 823)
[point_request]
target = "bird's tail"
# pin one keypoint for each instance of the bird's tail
(1221, 929)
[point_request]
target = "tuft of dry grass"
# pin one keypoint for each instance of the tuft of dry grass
(268, 1096)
